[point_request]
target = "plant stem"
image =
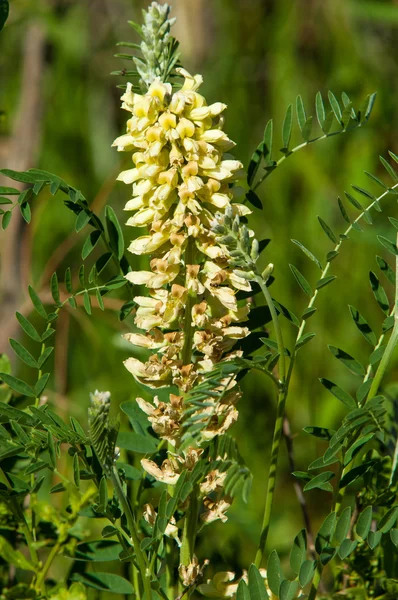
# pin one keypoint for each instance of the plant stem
(295, 149)
(190, 527)
(19, 515)
(188, 329)
(374, 388)
(277, 327)
(141, 558)
(315, 583)
(392, 342)
(50, 558)
(278, 428)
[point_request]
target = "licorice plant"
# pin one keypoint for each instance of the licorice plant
(193, 320)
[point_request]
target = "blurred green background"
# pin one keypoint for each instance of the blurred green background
(61, 113)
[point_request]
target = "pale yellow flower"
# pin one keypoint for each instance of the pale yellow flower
(223, 585)
(215, 510)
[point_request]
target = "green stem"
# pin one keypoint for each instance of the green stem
(50, 558)
(295, 149)
(315, 583)
(278, 428)
(188, 329)
(392, 342)
(190, 529)
(141, 557)
(374, 388)
(277, 327)
(19, 515)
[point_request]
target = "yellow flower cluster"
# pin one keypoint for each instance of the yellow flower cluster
(181, 177)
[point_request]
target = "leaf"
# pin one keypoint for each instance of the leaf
(391, 247)
(346, 548)
(394, 537)
(9, 191)
(364, 523)
(116, 282)
(28, 328)
(287, 127)
(87, 302)
(257, 589)
(302, 475)
(242, 593)
(388, 323)
(267, 139)
(388, 520)
(386, 269)
(320, 109)
(304, 339)
(301, 280)
(135, 442)
(379, 293)
(126, 310)
(308, 253)
(307, 572)
(369, 107)
(25, 211)
(353, 365)
(99, 299)
(353, 201)
(51, 449)
(288, 314)
(298, 551)
(320, 432)
(335, 106)
(90, 243)
(7, 552)
(376, 180)
(288, 589)
(98, 551)
(255, 163)
(6, 219)
(324, 281)
(106, 582)
(116, 240)
(340, 394)
(274, 573)
(389, 168)
(254, 199)
(374, 538)
(301, 116)
(23, 354)
(355, 473)
(37, 303)
(327, 230)
(308, 313)
(81, 275)
(18, 385)
(55, 288)
(343, 211)
(102, 495)
(4, 9)
(353, 450)
(363, 192)
(325, 533)
(332, 255)
(76, 470)
(343, 525)
(82, 219)
(363, 326)
(41, 384)
(306, 132)
(321, 482)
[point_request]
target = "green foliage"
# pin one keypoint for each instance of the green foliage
(44, 455)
